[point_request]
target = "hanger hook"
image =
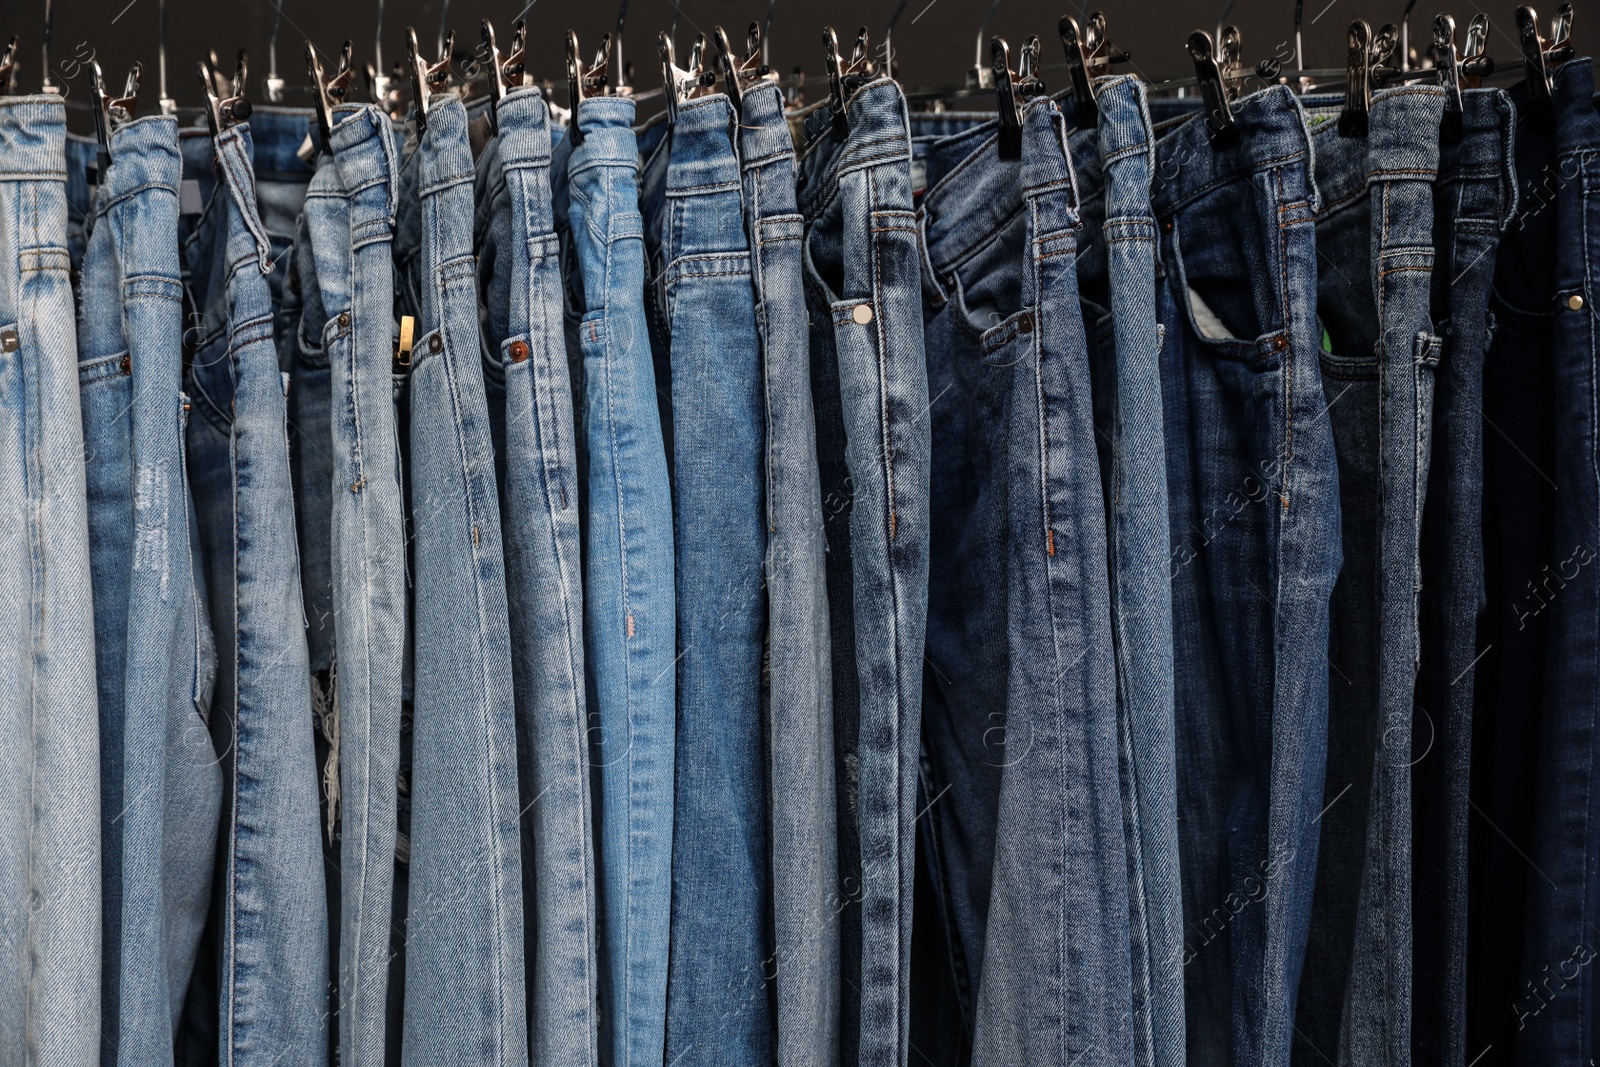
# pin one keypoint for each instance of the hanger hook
(978, 61)
(46, 85)
(766, 32)
(888, 37)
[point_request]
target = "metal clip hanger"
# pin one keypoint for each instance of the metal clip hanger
(330, 91)
(9, 67)
(584, 82)
(111, 112)
(742, 75)
(680, 84)
(427, 78)
(1215, 93)
(1540, 57)
(1358, 80)
(845, 78)
(1013, 89)
(46, 83)
(226, 105)
(505, 71)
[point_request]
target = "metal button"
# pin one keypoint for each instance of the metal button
(8, 341)
(519, 351)
(344, 320)
(1575, 302)
(436, 343)
(862, 314)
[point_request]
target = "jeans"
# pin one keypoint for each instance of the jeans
(1378, 359)
(869, 385)
(1020, 710)
(1474, 199)
(1253, 507)
(698, 244)
(1114, 162)
(271, 958)
(367, 569)
(154, 657)
(465, 999)
(1556, 1017)
(50, 849)
(1519, 504)
(530, 411)
(629, 615)
(799, 687)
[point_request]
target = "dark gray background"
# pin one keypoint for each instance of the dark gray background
(934, 41)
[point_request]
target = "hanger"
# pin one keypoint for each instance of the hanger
(224, 111)
(427, 78)
(1217, 95)
(505, 72)
(742, 75)
(1358, 79)
(111, 112)
(680, 84)
(1540, 57)
(272, 85)
(888, 38)
(1012, 90)
(584, 81)
(330, 91)
(8, 68)
(845, 78)
(1459, 70)
(1087, 50)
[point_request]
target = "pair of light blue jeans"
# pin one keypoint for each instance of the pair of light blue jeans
(530, 411)
(269, 911)
(630, 628)
(50, 849)
(702, 294)
(160, 780)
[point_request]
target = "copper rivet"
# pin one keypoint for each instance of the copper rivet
(1025, 323)
(1280, 343)
(436, 343)
(519, 351)
(1167, 226)
(1575, 302)
(344, 320)
(862, 314)
(126, 365)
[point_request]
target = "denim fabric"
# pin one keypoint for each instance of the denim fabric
(154, 657)
(1474, 199)
(1115, 162)
(321, 241)
(799, 697)
(270, 911)
(1020, 709)
(1253, 506)
(869, 384)
(699, 249)
(465, 1000)
(629, 615)
(368, 567)
(1375, 265)
(1555, 1011)
(530, 410)
(50, 849)
(1519, 501)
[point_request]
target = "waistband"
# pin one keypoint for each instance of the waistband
(608, 137)
(277, 134)
(974, 202)
(879, 132)
(763, 128)
(144, 156)
(444, 155)
(33, 135)
(1390, 151)
(524, 129)
(1577, 119)
(368, 158)
(1272, 134)
(234, 154)
(703, 156)
(1486, 151)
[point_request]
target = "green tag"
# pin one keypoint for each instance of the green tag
(1327, 342)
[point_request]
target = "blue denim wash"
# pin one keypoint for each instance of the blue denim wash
(271, 916)
(629, 616)
(1474, 199)
(1253, 505)
(701, 284)
(1115, 163)
(465, 998)
(1374, 276)
(154, 657)
(368, 566)
(1556, 1015)
(1520, 574)
(1020, 714)
(50, 849)
(530, 411)
(799, 686)
(870, 387)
